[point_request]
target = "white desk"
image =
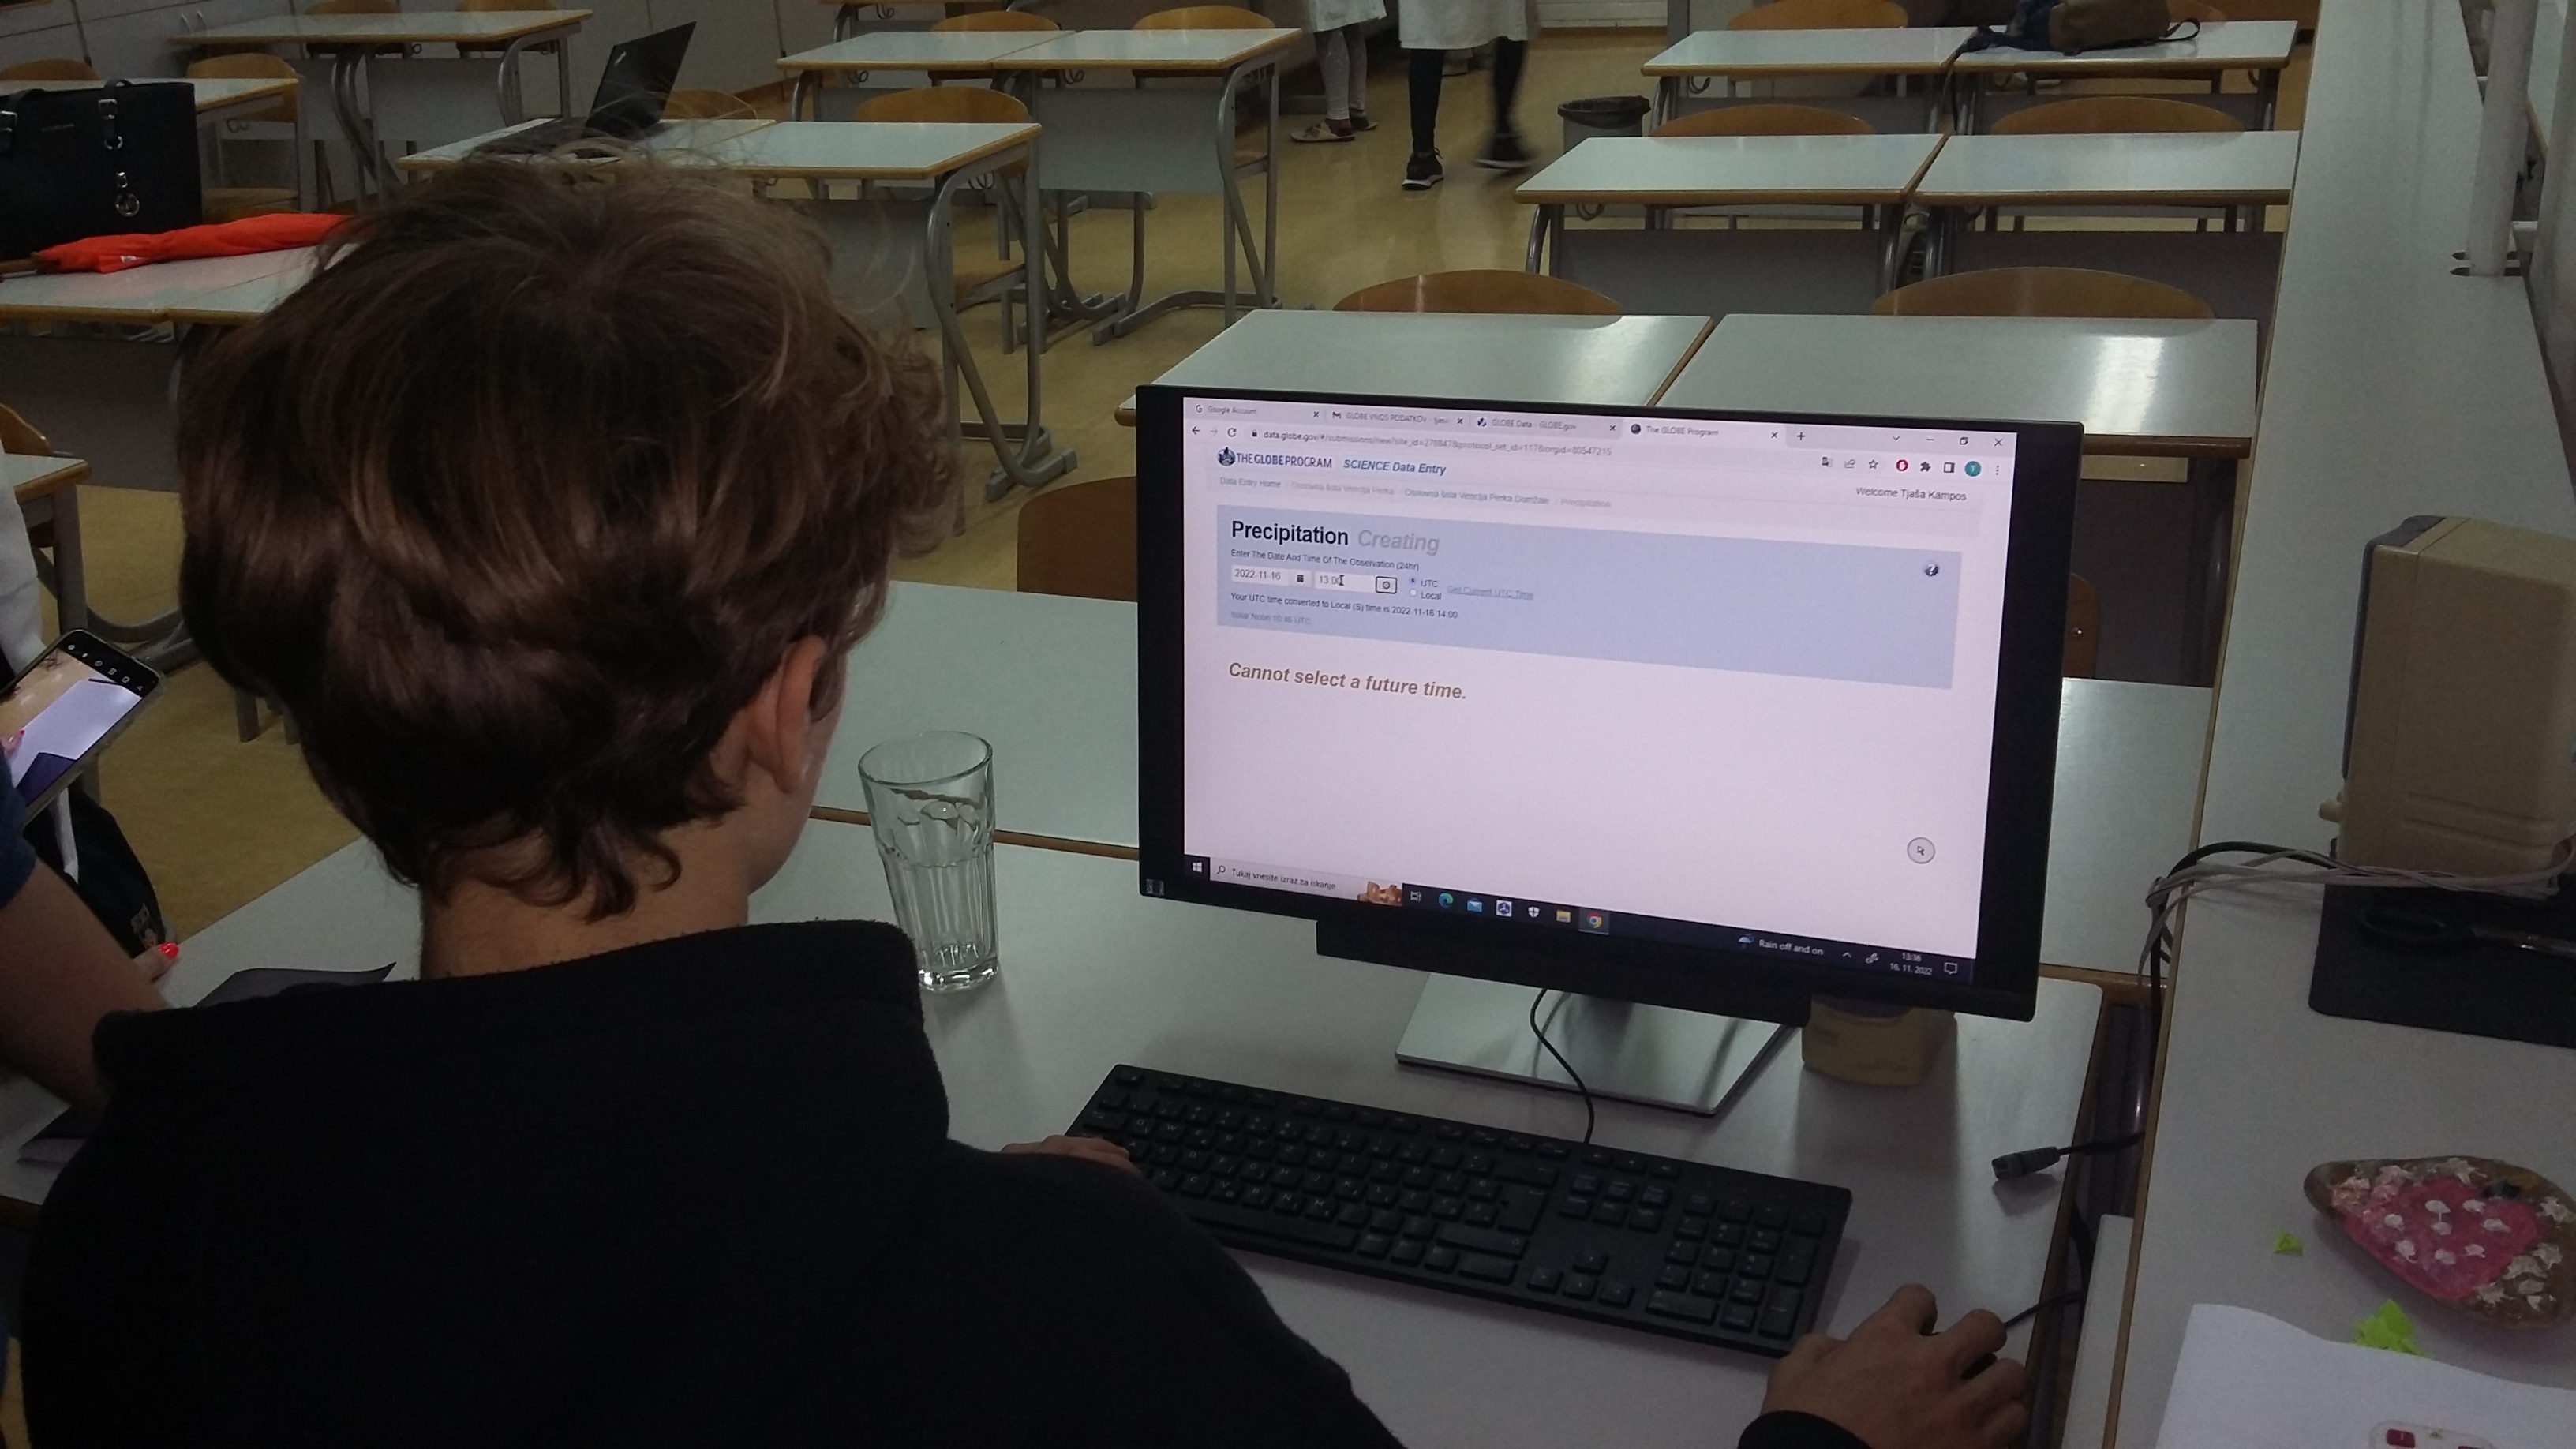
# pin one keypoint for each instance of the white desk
(1518, 357)
(939, 156)
(1693, 63)
(2245, 168)
(1093, 974)
(849, 17)
(217, 97)
(852, 59)
(1663, 268)
(351, 39)
(680, 142)
(1140, 140)
(1051, 682)
(48, 491)
(139, 295)
(2234, 270)
(2385, 371)
(2140, 388)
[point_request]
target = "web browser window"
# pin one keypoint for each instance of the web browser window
(1709, 682)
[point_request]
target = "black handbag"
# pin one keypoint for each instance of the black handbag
(112, 883)
(105, 162)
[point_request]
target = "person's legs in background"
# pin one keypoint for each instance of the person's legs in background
(1341, 57)
(1504, 151)
(1422, 86)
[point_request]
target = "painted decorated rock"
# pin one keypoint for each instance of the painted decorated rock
(2483, 1236)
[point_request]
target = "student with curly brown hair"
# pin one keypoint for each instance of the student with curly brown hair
(549, 512)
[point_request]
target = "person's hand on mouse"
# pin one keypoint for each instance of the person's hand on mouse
(1898, 1385)
(1089, 1149)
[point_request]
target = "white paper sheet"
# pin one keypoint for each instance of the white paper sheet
(2247, 1381)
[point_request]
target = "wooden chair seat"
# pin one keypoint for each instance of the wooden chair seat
(1079, 539)
(996, 20)
(2113, 116)
(52, 68)
(1206, 17)
(2040, 292)
(707, 105)
(1490, 291)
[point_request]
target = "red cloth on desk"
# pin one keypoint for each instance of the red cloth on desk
(274, 232)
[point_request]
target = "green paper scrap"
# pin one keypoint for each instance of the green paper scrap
(2388, 1328)
(2288, 1244)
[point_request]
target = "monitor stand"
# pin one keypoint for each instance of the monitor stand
(1687, 1061)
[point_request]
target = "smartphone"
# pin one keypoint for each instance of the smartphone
(69, 705)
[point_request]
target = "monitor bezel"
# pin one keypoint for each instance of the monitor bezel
(2021, 770)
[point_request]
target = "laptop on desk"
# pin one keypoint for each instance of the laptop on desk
(628, 106)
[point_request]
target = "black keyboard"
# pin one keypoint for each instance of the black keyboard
(1672, 1247)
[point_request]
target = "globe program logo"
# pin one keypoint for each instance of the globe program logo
(1225, 457)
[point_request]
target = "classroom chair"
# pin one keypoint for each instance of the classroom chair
(2040, 292)
(2083, 628)
(1481, 290)
(26, 440)
(552, 47)
(1206, 17)
(51, 69)
(1766, 120)
(2113, 115)
(224, 201)
(707, 105)
(996, 20)
(999, 281)
(1079, 539)
(1821, 15)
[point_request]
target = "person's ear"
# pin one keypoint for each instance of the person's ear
(779, 738)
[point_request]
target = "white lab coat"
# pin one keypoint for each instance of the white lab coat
(22, 631)
(1323, 15)
(1462, 24)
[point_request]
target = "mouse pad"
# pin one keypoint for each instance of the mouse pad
(2475, 989)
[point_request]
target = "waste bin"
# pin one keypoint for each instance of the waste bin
(1603, 116)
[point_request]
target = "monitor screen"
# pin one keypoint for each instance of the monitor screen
(636, 83)
(1723, 699)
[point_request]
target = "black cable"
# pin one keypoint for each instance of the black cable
(2054, 1300)
(2040, 1159)
(1541, 1033)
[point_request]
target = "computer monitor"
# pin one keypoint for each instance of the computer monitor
(636, 84)
(1682, 709)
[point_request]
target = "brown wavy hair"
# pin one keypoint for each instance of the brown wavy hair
(513, 508)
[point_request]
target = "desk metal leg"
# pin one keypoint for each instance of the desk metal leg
(1235, 223)
(845, 23)
(1035, 462)
(513, 104)
(71, 572)
(358, 128)
(2268, 82)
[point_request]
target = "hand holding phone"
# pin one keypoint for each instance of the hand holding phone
(67, 707)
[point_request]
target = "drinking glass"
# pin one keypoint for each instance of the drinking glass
(930, 802)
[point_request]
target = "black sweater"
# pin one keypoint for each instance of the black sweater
(694, 1193)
